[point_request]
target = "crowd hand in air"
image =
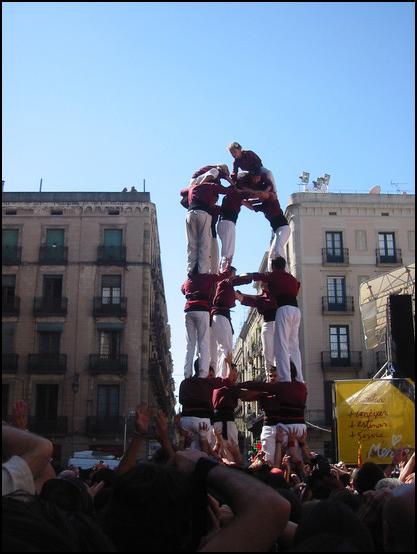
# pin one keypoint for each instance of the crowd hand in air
(20, 415)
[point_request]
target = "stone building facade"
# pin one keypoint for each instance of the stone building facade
(337, 242)
(85, 328)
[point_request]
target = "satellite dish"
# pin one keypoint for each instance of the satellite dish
(375, 190)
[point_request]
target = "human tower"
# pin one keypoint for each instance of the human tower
(209, 396)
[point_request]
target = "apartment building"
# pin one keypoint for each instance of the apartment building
(85, 332)
(337, 242)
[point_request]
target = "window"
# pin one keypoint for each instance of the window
(360, 240)
(107, 400)
(339, 344)
(334, 246)
(7, 339)
(55, 237)
(411, 240)
(49, 342)
(111, 289)
(113, 237)
(386, 244)
(10, 238)
(8, 289)
(110, 343)
(46, 401)
(336, 292)
(52, 287)
(10, 248)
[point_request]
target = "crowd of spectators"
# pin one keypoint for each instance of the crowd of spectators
(186, 500)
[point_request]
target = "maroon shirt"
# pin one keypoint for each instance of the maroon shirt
(225, 400)
(198, 289)
(224, 297)
(282, 286)
(203, 196)
(264, 303)
(232, 203)
(249, 161)
(206, 168)
(195, 395)
(272, 211)
(285, 402)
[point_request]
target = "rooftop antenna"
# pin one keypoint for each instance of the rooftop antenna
(304, 178)
(144, 185)
(40, 186)
(397, 186)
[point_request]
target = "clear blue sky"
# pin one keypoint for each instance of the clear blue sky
(98, 96)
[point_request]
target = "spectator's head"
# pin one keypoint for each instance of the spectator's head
(388, 483)
(235, 149)
(272, 374)
(367, 477)
(335, 518)
(69, 493)
(279, 263)
(150, 510)
(106, 475)
(399, 520)
(33, 525)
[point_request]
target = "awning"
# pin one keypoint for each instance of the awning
(50, 327)
(373, 299)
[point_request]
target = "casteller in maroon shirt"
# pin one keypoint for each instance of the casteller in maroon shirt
(199, 289)
(195, 396)
(282, 286)
(224, 297)
(248, 161)
(264, 303)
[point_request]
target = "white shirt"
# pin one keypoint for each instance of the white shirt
(16, 475)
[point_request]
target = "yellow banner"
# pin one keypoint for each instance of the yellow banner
(374, 418)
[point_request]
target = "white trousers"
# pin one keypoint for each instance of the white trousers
(190, 423)
(198, 231)
(197, 328)
(267, 339)
(268, 442)
(270, 176)
(227, 233)
(278, 244)
(287, 323)
(297, 428)
(214, 255)
(222, 330)
(232, 434)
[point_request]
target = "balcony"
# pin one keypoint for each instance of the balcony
(111, 255)
(335, 257)
(48, 426)
(112, 425)
(343, 305)
(11, 255)
(53, 254)
(47, 363)
(109, 307)
(352, 362)
(391, 257)
(44, 307)
(10, 306)
(100, 363)
(9, 362)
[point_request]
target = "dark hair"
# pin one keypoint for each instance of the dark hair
(335, 518)
(197, 367)
(106, 475)
(279, 263)
(326, 542)
(367, 477)
(150, 510)
(69, 493)
(31, 524)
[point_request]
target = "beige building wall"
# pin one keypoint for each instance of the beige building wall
(359, 219)
(84, 217)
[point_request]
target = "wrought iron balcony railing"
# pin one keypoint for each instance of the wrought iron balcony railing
(391, 257)
(335, 257)
(48, 426)
(9, 362)
(111, 255)
(108, 307)
(47, 363)
(352, 360)
(53, 255)
(109, 425)
(100, 363)
(11, 255)
(43, 306)
(343, 304)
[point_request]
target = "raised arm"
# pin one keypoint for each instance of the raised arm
(129, 458)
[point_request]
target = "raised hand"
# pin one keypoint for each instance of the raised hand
(142, 417)
(20, 415)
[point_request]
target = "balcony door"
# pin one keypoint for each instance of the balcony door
(336, 293)
(386, 244)
(111, 289)
(108, 401)
(339, 345)
(49, 342)
(47, 402)
(334, 246)
(110, 342)
(8, 290)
